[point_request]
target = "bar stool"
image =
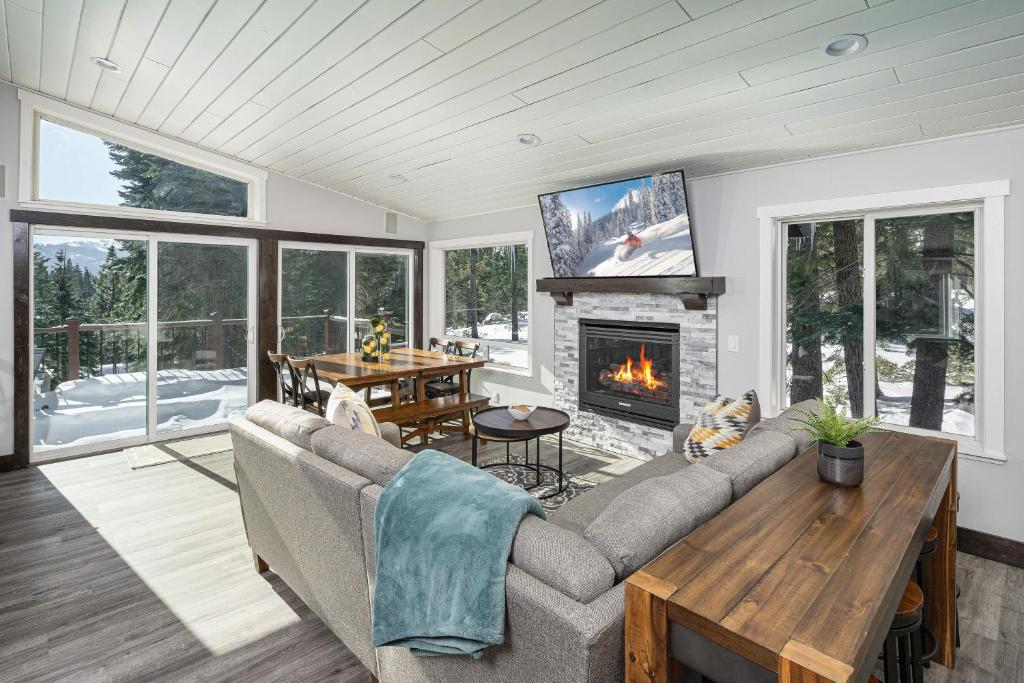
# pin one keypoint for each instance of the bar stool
(931, 544)
(901, 654)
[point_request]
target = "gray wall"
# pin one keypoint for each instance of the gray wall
(723, 210)
(291, 205)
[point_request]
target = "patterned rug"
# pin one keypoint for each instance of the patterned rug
(520, 476)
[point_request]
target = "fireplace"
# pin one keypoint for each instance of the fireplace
(630, 370)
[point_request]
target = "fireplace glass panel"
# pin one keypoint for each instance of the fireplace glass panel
(625, 368)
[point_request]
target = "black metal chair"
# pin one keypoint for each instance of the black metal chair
(311, 396)
(286, 376)
(448, 386)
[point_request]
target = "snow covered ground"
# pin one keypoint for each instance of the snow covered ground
(114, 406)
(666, 249)
(893, 406)
(499, 331)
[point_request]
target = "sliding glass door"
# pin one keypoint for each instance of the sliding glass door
(137, 337)
(328, 295)
(203, 334)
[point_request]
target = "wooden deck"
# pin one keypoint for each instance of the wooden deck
(112, 574)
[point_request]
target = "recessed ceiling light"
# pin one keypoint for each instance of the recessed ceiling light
(528, 139)
(106, 64)
(844, 46)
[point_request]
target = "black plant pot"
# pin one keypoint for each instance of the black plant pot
(839, 465)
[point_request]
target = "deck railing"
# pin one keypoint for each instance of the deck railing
(77, 349)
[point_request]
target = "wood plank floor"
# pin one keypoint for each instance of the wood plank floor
(110, 574)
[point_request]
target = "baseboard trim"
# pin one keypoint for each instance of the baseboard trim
(990, 546)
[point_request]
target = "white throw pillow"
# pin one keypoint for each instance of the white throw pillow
(347, 409)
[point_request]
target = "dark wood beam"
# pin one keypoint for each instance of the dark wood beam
(22, 343)
(75, 220)
(417, 298)
(267, 335)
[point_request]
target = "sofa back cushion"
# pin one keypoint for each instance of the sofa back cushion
(786, 422)
(643, 521)
(561, 559)
(291, 423)
(367, 455)
(754, 460)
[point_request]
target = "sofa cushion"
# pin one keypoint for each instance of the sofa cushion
(291, 423)
(561, 559)
(346, 408)
(579, 512)
(754, 460)
(722, 424)
(646, 519)
(366, 455)
(787, 423)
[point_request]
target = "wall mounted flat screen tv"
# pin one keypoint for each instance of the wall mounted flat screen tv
(637, 228)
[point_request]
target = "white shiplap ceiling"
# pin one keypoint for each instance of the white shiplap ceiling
(416, 105)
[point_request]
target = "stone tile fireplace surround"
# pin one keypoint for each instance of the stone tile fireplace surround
(698, 367)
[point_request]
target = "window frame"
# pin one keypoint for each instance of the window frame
(987, 200)
(35, 107)
(437, 280)
(350, 303)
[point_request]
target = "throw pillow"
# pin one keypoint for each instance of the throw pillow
(722, 423)
(345, 408)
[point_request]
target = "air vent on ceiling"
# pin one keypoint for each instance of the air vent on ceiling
(391, 223)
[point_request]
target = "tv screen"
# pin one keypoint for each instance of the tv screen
(637, 227)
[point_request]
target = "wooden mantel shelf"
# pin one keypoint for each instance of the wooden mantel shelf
(694, 291)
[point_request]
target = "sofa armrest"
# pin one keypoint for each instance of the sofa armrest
(391, 433)
(561, 559)
(679, 434)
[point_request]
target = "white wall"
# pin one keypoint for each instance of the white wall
(291, 205)
(723, 210)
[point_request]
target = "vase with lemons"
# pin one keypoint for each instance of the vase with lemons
(377, 344)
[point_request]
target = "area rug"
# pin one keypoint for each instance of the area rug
(152, 454)
(523, 477)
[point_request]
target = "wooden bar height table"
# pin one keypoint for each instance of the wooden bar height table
(798, 580)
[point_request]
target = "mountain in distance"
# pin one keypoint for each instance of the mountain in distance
(88, 254)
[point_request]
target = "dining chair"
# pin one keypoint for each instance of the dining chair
(448, 386)
(311, 396)
(286, 376)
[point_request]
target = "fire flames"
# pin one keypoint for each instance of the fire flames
(641, 372)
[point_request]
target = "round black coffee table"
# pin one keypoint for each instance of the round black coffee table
(497, 424)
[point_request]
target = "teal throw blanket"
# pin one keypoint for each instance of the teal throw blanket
(444, 531)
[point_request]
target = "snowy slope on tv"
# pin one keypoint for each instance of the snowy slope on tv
(636, 227)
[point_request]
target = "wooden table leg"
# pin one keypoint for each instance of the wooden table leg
(940, 577)
(421, 388)
(396, 393)
(463, 383)
(647, 634)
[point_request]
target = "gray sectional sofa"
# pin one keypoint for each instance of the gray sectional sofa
(308, 491)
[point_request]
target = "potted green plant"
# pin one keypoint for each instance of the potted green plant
(840, 455)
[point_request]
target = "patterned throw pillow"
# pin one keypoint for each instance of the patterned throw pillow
(347, 409)
(722, 423)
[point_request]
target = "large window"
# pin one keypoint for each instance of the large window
(483, 295)
(890, 312)
(89, 163)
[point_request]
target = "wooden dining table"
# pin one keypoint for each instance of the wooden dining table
(417, 364)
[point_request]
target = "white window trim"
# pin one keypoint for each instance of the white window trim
(437, 284)
(988, 444)
(350, 264)
(34, 106)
